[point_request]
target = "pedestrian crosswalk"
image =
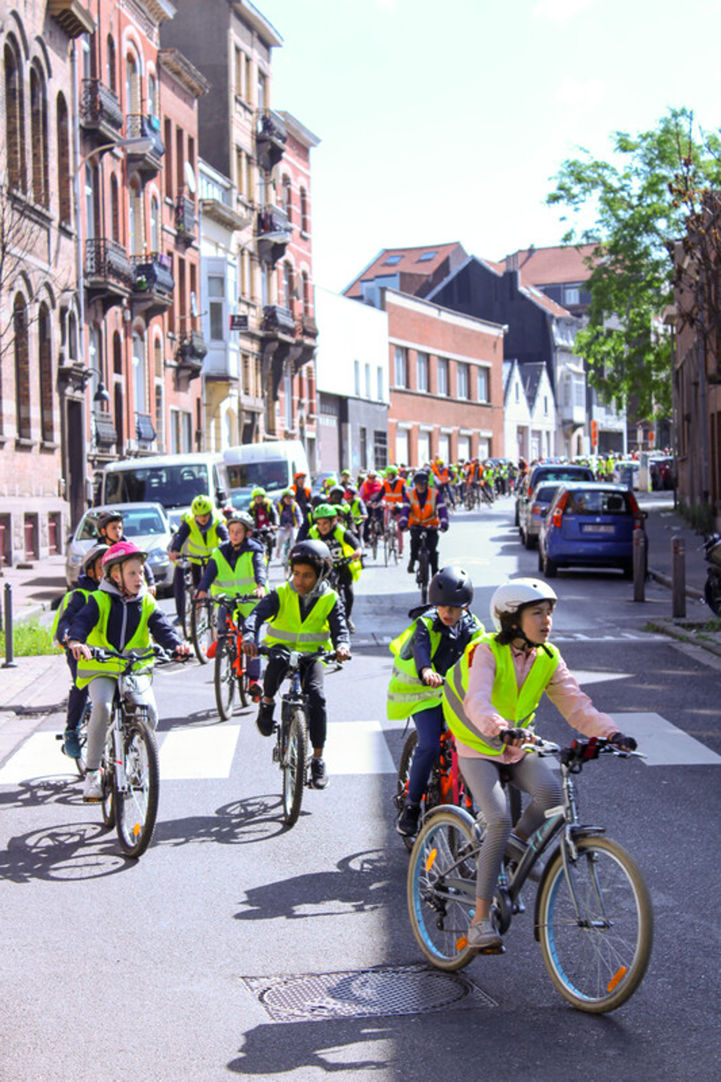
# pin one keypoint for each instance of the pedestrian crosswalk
(207, 752)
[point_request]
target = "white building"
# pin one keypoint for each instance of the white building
(529, 412)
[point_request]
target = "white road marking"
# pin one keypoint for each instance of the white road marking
(585, 677)
(664, 744)
(206, 752)
(357, 747)
(39, 757)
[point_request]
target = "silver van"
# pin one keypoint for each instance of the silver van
(171, 480)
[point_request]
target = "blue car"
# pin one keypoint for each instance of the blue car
(591, 525)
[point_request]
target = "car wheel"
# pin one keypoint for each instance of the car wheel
(529, 540)
(550, 569)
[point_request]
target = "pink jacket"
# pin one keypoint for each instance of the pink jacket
(563, 691)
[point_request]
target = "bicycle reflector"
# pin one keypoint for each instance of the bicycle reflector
(431, 859)
(616, 979)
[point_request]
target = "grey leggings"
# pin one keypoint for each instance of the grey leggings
(101, 690)
(532, 774)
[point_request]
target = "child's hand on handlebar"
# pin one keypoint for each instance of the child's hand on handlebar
(79, 649)
(250, 648)
(342, 653)
(516, 738)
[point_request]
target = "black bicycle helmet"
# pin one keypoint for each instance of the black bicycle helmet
(314, 553)
(92, 554)
(336, 494)
(106, 517)
(450, 586)
(420, 478)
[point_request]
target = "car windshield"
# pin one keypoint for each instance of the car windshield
(598, 503)
(140, 522)
(565, 473)
(273, 474)
(171, 486)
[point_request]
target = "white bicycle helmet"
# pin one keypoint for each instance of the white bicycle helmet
(516, 593)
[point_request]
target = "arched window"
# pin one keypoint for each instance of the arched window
(132, 87)
(45, 369)
(304, 223)
(112, 73)
(14, 118)
(22, 368)
(287, 198)
(154, 224)
(135, 216)
(152, 108)
(115, 208)
(63, 137)
(39, 137)
(288, 284)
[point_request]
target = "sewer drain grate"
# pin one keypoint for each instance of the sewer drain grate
(353, 993)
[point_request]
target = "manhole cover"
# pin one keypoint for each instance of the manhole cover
(353, 993)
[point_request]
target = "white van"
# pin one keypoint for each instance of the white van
(171, 480)
(271, 466)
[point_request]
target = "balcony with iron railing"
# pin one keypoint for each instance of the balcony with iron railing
(186, 220)
(274, 233)
(270, 139)
(100, 114)
(109, 273)
(147, 159)
(153, 284)
(191, 352)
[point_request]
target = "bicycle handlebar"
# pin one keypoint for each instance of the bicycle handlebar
(157, 653)
(232, 599)
(576, 753)
(284, 652)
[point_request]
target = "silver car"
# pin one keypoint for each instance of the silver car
(145, 524)
(534, 509)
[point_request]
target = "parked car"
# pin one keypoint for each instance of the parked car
(549, 471)
(145, 524)
(589, 524)
(626, 472)
(532, 512)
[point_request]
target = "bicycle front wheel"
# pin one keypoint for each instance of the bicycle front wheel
(293, 766)
(82, 733)
(441, 887)
(422, 577)
(224, 679)
(137, 802)
(596, 954)
(202, 630)
(107, 803)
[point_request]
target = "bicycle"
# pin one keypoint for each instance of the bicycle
(375, 530)
(202, 626)
(390, 538)
(291, 749)
(445, 784)
(188, 591)
(229, 666)
(266, 536)
(593, 915)
(129, 764)
(423, 571)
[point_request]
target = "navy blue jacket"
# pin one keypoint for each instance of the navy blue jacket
(123, 621)
(232, 555)
(269, 606)
(75, 604)
(453, 642)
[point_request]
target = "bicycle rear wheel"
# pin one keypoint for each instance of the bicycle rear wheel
(440, 888)
(202, 629)
(82, 733)
(293, 764)
(187, 603)
(137, 802)
(422, 575)
(596, 957)
(224, 679)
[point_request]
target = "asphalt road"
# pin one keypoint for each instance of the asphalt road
(235, 948)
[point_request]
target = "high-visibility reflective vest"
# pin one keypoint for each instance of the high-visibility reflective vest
(442, 474)
(289, 629)
(407, 694)
(426, 515)
(355, 565)
(89, 668)
(517, 706)
(393, 490)
(198, 549)
(235, 580)
(64, 604)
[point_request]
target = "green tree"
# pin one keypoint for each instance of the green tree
(638, 217)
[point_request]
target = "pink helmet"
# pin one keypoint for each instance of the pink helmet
(119, 552)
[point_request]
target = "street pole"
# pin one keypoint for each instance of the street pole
(678, 577)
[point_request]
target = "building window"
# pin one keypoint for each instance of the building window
(442, 376)
(287, 198)
(152, 95)
(139, 375)
(545, 405)
(462, 381)
(304, 223)
(363, 436)
(483, 385)
(262, 89)
(14, 119)
(111, 67)
(356, 378)
(22, 368)
(368, 380)
(571, 295)
(392, 261)
(426, 257)
(168, 164)
(159, 414)
(380, 450)
(400, 370)
(518, 391)
(238, 72)
(379, 377)
(216, 297)
(45, 367)
(306, 293)
(402, 452)
(63, 139)
(154, 224)
(248, 78)
(422, 372)
(114, 208)
(39, 137)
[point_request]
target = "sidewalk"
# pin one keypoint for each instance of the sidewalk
(35, 589)
(663, 524)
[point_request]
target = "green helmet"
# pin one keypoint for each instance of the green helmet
(392, 471)
(202, 505)
(287, 492)
(325, 510)
(257, 492)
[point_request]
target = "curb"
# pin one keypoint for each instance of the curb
(666, 580)
(674, 631)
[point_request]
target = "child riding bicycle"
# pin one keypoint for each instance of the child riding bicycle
(201, 530)
(120, 615)
(489, 701)
(306, 615)
(422, 654)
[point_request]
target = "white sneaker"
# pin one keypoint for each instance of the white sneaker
(93, 790)
(483, 935)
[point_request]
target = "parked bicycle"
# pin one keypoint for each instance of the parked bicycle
(445, 784)
(593, 915)
(291, 750)
(230, 673)
(129, 764)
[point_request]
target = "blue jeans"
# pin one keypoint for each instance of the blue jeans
(429, 726)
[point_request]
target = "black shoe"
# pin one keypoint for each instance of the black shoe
(411, 568)
(264, 721)
(407, 823)
(255, 691)
(318, 773)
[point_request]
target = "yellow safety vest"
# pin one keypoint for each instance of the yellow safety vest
(517, 705)
(64, 604)
(355, 565)
(288, 629)
(407, 694)
(196, 548)
(237, 580)
(89, 668)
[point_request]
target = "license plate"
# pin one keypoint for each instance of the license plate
(592, 527)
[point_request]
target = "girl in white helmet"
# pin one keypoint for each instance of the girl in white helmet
(490, 697)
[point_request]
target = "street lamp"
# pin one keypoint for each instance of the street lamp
(101, 396)
(142, 143)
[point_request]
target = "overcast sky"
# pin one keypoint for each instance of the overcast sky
(446, 120)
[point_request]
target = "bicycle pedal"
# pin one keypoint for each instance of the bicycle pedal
(491, 950)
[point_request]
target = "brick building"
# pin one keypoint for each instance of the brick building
(39, 306)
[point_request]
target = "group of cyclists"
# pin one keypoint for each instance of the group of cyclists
(448, 671)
